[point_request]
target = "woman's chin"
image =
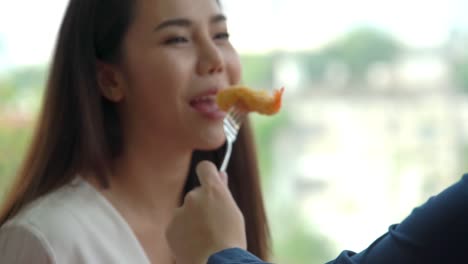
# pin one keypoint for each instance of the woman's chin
(211, 143)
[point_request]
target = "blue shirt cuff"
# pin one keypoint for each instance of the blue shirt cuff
(234, 256)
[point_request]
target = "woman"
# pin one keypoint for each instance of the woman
(128, 114)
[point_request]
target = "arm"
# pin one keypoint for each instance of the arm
(436, 232)
(22, 245)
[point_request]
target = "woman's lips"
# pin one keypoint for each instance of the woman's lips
(206, 105)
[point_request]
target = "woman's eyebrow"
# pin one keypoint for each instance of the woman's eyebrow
(178, 22)
(184, 22)
(218, 18)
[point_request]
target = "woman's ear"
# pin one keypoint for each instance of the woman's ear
(110, 81)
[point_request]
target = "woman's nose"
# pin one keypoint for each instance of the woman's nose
(211, 60)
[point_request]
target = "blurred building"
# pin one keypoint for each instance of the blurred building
(356, 158)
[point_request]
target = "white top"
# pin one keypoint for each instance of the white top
(74, 224)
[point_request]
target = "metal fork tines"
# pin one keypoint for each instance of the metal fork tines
(232, 124)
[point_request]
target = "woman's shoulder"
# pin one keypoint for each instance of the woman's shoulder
(41, 228)
(24, 244)
(74, 224)
(52, 223)
(53, 212)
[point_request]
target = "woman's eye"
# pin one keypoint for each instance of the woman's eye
(175, 40)
(223, 35)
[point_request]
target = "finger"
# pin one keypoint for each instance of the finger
(177, 211)
(224, 177)
(191, 196)
(171, 229)
(207, 173)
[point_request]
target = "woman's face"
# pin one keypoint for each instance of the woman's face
(176, 56)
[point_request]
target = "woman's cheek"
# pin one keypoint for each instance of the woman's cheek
(235, 69)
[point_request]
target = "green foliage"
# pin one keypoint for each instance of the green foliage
(7, 93)
(257, 70)
(19, 93)
(313, 63)
(265, 128)
(24, 87)
(295, 244)
(31, 77)
(292, 243)
(362, 47)
(358, 50)
(13, 142)
(461, 75)
(464, 157)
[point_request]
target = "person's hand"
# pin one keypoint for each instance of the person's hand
(208, 221)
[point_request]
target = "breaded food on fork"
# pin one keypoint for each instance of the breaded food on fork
(250, 100)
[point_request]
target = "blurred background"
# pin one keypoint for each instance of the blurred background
(375, 115)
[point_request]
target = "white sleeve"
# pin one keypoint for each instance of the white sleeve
(21, 244)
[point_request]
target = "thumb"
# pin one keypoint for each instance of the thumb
(207, 173)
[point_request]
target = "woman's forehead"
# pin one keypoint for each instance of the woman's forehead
(167, 9)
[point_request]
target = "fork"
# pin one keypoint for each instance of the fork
(231, 124)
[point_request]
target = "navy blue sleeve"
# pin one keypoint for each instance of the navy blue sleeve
(436, 232)
(234, 256)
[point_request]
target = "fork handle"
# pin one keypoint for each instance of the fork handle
(227, 156)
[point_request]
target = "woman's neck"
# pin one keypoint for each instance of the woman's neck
(147, 182)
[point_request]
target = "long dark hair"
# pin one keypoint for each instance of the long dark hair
(78, 129)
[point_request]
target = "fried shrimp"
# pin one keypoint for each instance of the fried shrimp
(250, 100)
